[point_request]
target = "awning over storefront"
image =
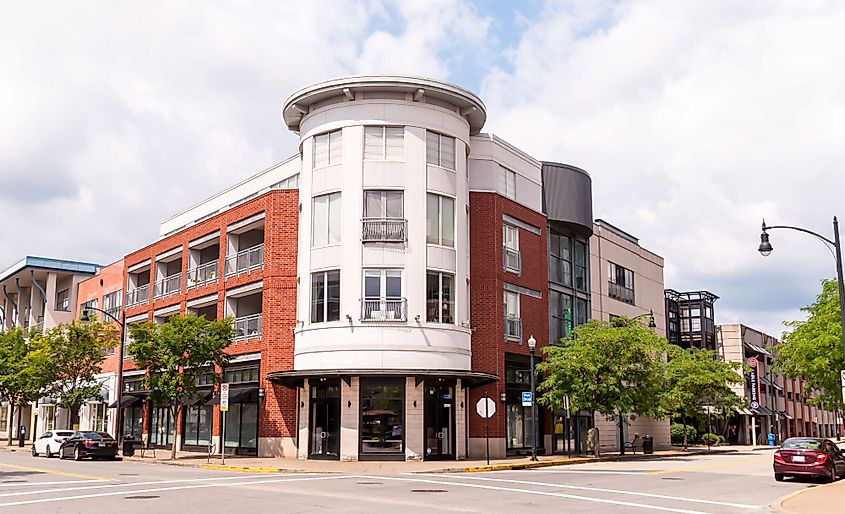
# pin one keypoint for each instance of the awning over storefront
(758, 349)
(743, 412)
(295, 378)
(763, 411)
(200, 399)
(235, 394)
(127, 400)
(786, 415)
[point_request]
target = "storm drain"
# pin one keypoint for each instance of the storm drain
(429, 491)
(150, 497)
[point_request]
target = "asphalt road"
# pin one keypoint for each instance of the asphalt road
(727, 483)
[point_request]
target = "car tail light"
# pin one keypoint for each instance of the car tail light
(778, 456)
(60, 441)
(88, 443)
(821, 458)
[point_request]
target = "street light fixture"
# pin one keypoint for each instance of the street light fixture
(532, 345)
(119, 382)
(651, 323)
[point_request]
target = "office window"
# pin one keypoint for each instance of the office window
(581, 282)
(63, 300)
(507, 182)
(383, 204)
(325, 296)
(581, 311)
(326, 220)
(112, 303)
(384, 143)
(382, 298)
(440, 297)
(513, 323)
(561, 315)
(440, 220)
(560, 259)
(620, 283)
(241, 375)
(328, 149)
(440, 150)
(510, 242)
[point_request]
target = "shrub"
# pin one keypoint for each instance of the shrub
(711, 439)
(677, 433)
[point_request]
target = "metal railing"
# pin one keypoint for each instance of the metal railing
(247, 327)
(245, 260)
(384, 309)
(138, 295)
(168, 286)
(513, 327)
(201, 275)
(511, 259)
(389, 230)
(620, 292)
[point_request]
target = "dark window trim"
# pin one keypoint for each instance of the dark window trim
(381, 456)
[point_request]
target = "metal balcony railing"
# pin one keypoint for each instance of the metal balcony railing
(512, 259)
(386, 230)
(384, 309)
(202, 274)
(620, 292)
(138, 295)
(513, 327)
(168, 286)
(247, 327)
(245, 260)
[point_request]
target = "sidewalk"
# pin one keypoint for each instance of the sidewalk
(812, 500)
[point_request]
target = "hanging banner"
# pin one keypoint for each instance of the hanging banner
(755, 384)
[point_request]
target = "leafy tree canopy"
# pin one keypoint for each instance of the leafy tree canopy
(22, 377)
(812, 348)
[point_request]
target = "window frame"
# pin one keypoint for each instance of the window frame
(325, 298)
(383, 193)
(331, 159)
(330, 199)
(440, 223)
(384, 145)
(63, 300)
(509, 182)
(383, 274)
(440, 137)
(439, 317)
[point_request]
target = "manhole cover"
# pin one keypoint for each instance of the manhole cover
(671, 478)
(128, 474)
(150, 497)
(370, 483)
(14, 481)
(429, 491)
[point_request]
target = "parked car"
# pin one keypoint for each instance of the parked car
(97, 445)
(49, 442)
(809, 456)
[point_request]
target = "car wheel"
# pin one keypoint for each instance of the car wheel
(61, 453)
(77, 455)
(779, 477)
(34, 453)
(49, 452)
(832, 477)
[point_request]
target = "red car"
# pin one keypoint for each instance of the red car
(809, 456)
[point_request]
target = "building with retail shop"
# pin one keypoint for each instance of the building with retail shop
(382, 281)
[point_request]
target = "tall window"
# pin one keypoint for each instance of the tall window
(63, 300)
(440, 150)
(89, 306)
(560, 259)
(383, 295)
(510, 241)
(620, 284)
(326, 220)
(384, 143)
(98, 417)
(382, 416)
(440, 220)
(383, 204)
(328, 149)
(4, 417)
(561, 315)
(507, 182)
(325, 296)
(112, 303)
(513, 323)
(581, 282)
(440, 297)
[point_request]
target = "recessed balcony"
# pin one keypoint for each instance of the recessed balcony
(247, 327)
(138, 295)
(201, 275)
(245, 260)
(168, 286)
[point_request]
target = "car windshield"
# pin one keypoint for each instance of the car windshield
(803, 444)
(91, 435)
(63, 433)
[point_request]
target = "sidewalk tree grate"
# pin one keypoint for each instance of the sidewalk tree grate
(429, 491)
(141, 497)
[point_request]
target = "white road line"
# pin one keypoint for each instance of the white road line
(546, 493)
(164, 489)
(58, 482)
(579, 472)
(602, 490)
(132, 484)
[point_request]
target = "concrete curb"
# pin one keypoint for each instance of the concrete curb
(777, 505)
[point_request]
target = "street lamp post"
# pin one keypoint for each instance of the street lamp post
(651, 323)
(119, 382)
(532, 344)
(765, 249)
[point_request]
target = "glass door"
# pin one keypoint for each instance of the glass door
(439, 421)
(324, 440)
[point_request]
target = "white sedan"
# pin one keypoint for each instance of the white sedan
(49, 442)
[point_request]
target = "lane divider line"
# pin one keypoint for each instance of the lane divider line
(55, 472)
(708, 466)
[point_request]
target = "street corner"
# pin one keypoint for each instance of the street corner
(812, 500)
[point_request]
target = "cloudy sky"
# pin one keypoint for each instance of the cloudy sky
(696, 119)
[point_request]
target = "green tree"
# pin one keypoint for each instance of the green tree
(22, 378)
(72, 356)
(695, 378)
(613, 368)
(171, 350)
(812, 349)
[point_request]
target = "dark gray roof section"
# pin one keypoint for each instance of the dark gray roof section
(568, 195)
(46, 263)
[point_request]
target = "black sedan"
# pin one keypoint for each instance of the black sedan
(97, 445)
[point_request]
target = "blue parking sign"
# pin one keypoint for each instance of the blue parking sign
(526, 399)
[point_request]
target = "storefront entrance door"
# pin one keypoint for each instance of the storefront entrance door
(439, 421)
(324, 440)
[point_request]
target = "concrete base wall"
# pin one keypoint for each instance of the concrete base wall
(478, 448)
(277, 447)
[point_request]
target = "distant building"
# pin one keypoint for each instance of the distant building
(689, 319)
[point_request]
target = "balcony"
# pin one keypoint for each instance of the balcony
(384, 230)
(245, 261)
(513, 327)
(138, 295)
(511, 259)
(620, 292)
(202, 275)
(247, 327)
(384, 309)
(168, 286)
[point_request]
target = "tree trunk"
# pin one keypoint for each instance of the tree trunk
(176, 411)
(684, 418)
(75, 423)
(11, 421)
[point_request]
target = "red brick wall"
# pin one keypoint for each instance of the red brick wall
(487, 278)
(107, 280)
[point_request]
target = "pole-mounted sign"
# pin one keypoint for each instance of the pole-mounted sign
(755, 384)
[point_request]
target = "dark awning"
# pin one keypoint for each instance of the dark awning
(786, 415)
(127, 400)
(763, 411)
(201, 397)
(295, 378)
(235, 394)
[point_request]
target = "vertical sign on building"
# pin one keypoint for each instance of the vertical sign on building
(755, 384)
(842, 380)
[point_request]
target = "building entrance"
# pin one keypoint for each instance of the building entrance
(439, 421)
(324, 440)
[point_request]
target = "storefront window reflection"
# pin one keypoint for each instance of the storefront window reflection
(382, 417)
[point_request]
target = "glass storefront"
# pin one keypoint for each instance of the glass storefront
(325, 420)
(439, 415)
(161, 426)
(242, 417)
(133, 421)
(382, 419)
(518, 420)
(197, 425)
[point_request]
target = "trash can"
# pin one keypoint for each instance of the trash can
(648, 444)
(128, 446)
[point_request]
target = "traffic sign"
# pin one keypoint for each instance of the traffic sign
(842, 377)
(485, 407)
(752, 362)
(526, 399)
(224, 397)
